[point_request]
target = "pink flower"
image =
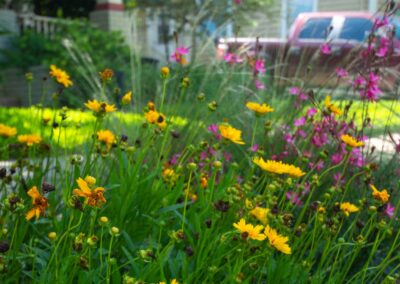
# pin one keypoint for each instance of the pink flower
(288, 138)
(213, 128)
(341, 73)
(390, 210)
(319, 166)
(254, 148)
(259, 66)
(337, 158)
(294, 198)
(383, 47)
(303, 96)
(238, 2)
(299, 122)
(359, 81)
(294, 90)
(325, 49)
(179, 55)
(371, 91)
(311, 112)
(259, 85)
(381, 22)
(232, 58)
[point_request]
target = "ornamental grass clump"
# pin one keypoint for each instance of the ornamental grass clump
(217, 177)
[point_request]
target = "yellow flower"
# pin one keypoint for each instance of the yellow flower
(249, 231)
(277, 167)
(331, 107)
(348, 208)
(277, 241)
(165, 72)
(259, 109)
(230, 133)
(29, 139)
(106, 75)
(126, 99)
(155, 117)
(39, 204)
(352, 142)
(93, 197)
(61, 76)
(381, 196)
(98, 107)
(7, 131)
(90, 180)
(174, 281)
(261, 214)
(107, 137)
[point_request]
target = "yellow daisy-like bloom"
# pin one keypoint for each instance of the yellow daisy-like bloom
(277, 167)
(249, 231)
(93, 197)
(382, 196)
(352, 142)
(98, 107)
(259, 109)
(331, 107)
(155, 117)
(39, 204)
(90, 180)
(127, 98)
(261, 214)
(348, 208)
(29, 139)
(231, 133)
(7, 131)
(61, 76)
(107, 137)
(277, 241)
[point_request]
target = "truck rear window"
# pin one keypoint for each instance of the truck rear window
(315, 28)
(355, 29)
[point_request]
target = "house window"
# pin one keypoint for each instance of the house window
(317, 28)
(163, 31)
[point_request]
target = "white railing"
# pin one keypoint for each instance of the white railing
(46, 26)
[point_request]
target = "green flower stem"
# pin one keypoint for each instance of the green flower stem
(164, 90)
(186, 199)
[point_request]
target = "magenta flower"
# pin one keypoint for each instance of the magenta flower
(371, 91)
(259, 66)
(325, 49)
(299, 122)
(178, 55)
(390, 210)
(259, 85)
(238, 2)
(232, 58)
(381, 22)
(383, 47)
(294, 198)
(341, 73)
(294, 91)
(336, 158)
(288, 138)
(311, 112)
(213, 128)
(254, 148)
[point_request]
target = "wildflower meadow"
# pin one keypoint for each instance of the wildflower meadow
(222, 176)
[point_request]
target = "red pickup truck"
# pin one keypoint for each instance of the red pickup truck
(299, 56)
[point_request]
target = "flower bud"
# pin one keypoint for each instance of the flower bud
(103, 220)
(192, 166)
(52, 235)
(217, 164)
(115, 231)
(165, 72)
